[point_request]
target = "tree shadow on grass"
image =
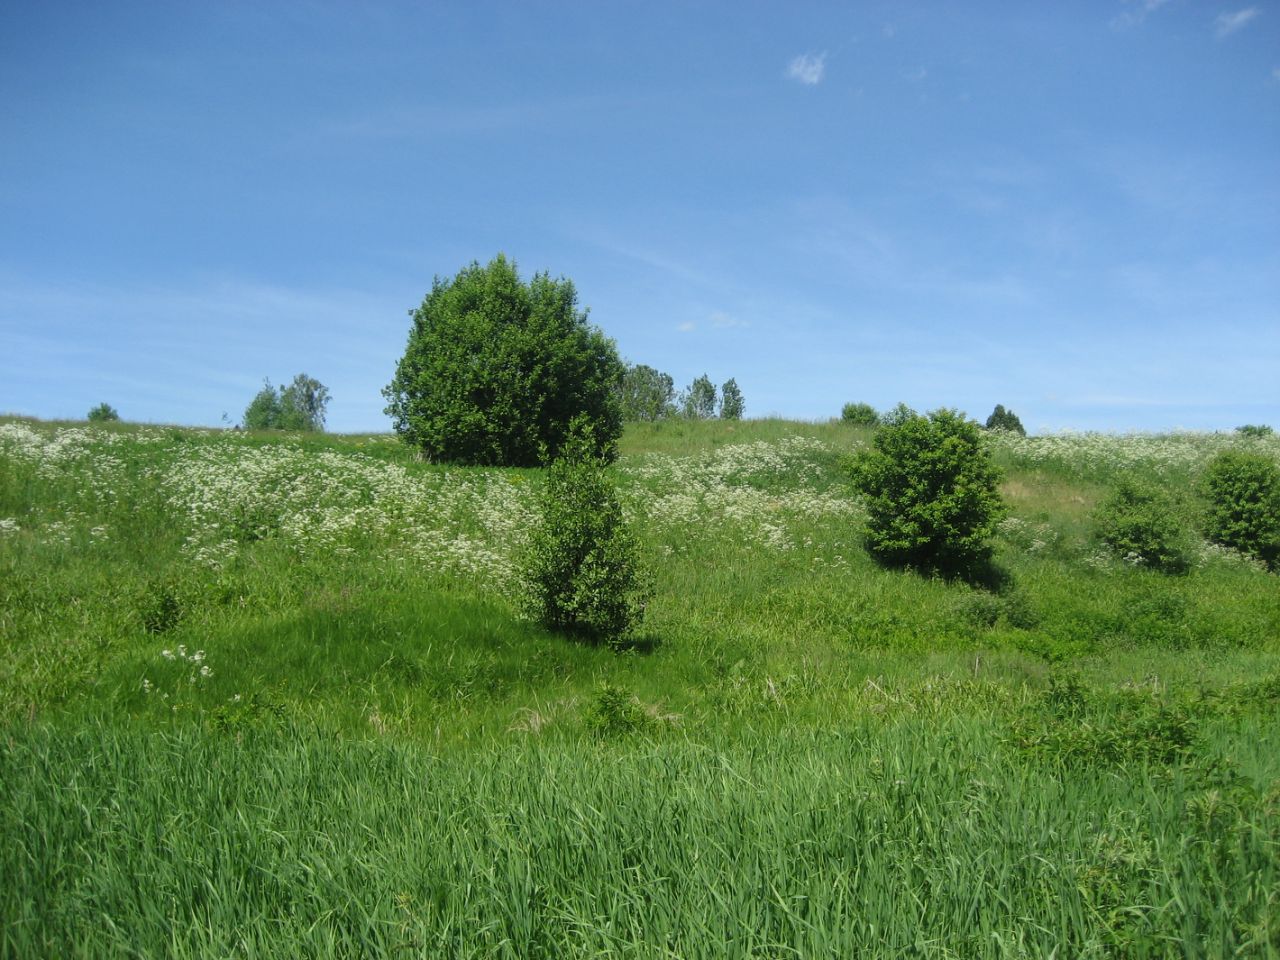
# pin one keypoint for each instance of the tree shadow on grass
(981, 572)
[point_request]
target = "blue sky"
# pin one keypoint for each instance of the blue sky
(1070, 209)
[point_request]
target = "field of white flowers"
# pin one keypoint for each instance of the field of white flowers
(224, 489)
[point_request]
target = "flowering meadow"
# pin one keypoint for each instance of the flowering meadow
(272, 694)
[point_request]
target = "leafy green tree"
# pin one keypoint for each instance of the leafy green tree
(1002, 419)
(698, 402)
(102, 413)
(646, 394)
(303, 404)
(860, 415)
(931, 493)
(263, 412)
(495, 369)
(732, 405)
(581, 569)
(1244, 504)
(1254, 430)
(899, 415)
(1139, 524)
(300, 406)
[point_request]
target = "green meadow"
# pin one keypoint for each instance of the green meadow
(272, 695)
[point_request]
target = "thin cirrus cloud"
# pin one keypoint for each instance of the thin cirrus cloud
(1229, 23)
(1136, 13)
(808, 68)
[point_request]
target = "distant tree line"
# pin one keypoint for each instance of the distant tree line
(646, 394)
(865, 415)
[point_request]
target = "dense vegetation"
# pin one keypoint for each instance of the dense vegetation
(302, 405)
(495, 369)
(273, 694)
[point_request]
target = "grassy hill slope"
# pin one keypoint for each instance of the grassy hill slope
(282, 680)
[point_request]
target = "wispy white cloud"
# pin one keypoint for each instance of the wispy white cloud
(918, 75)
(1136, 11)
(808, 68)
(1229, 23)
(726, 321)
(889, 31)
(687, 327)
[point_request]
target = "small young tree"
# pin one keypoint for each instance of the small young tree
(263, 412)
(1002, 419)
(1244, 504)
(646, 394)
(732, 404)
(1139, 524)
(860, 415)
(698, 402)
(102, 413)
(931, 493)
(581, 569)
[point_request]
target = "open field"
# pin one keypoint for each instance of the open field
(269, 695)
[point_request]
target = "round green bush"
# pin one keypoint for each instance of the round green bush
(581, 569)
(860, 415)
(931, 493)
(1140, 525)
(1244, 504)
(495, 369)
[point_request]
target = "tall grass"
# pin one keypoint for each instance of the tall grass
(921, 836)
(269, 695)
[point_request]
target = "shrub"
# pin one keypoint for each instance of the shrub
(732, 405)
(299, 406)
(698, 401)
(645, 393)
(617, 712)
(581, 568)
(1254, 430)
(1139, 524)
(931, 494)
(1244, 504)
(102, 413)
(495, 369)
(860, 415)
(1002, 419)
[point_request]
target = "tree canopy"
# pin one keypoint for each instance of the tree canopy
(299, 406)
(495, 369)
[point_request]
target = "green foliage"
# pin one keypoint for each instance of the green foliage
(698, 401)
(1140, 525)
(303, 404)
(1002, 419)
(646, 394)
(300, 406)
(899, 415)
(860, 415)
(582, 568)
(263, 412)
(159, 606)
(732, 405)
(1244, 504)
(495, 369)
(102, 413)
(931, 492)
(617, 712)
(1254, 430)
